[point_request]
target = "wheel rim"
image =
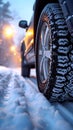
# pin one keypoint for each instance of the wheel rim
(45, 52)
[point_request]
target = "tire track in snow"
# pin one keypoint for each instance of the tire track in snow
(25, 108)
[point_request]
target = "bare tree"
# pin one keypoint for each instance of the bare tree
(5, 17)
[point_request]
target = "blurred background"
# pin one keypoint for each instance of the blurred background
(11, 12)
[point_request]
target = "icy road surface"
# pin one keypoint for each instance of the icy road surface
(23, 107)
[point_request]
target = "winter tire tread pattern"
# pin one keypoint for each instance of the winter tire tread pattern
(59, 86)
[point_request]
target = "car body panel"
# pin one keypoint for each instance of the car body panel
(29, 37)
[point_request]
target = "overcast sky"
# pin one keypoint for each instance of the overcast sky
(23, 8)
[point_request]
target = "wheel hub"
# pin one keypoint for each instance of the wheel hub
(45, 52)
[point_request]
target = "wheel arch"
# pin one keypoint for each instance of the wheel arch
(39, 5)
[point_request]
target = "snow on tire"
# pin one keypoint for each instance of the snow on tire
(58, 85)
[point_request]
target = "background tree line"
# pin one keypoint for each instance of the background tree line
(6, 52)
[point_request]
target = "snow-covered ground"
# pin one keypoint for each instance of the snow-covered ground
(23, 107)
(18, 71)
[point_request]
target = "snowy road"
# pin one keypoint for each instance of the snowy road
(23, 107)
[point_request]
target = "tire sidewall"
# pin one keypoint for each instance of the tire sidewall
(45, 17)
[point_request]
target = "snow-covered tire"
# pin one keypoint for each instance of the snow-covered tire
(53, 49)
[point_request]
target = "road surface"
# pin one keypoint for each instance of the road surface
(23, 107)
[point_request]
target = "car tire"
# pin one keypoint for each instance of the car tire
(53, 48)
(25, 69)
